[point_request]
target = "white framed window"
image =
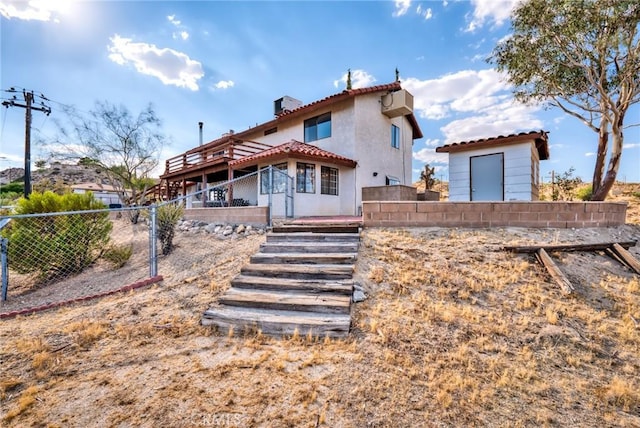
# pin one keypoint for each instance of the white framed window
(328, 181)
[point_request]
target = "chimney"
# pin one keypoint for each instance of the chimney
(200, 124)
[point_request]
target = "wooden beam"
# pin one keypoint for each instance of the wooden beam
(568, 247)
(627, 257)
(554, 271)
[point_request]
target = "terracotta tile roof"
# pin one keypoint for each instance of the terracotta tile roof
(540, 138)
(395, 86)
(293, 149)
(324, 102)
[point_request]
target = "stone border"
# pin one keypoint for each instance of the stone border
(538, 214)
(135, 285)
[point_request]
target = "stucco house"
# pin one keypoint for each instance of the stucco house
(330, 149)
(503, 168)
(103, 192)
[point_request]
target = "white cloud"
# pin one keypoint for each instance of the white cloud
(402, 6)
(630, 146)
(224, 84)
(168, 65)
(426, 13)
(428, 155)
(479, 103)
(183, 34)
(589, 154)
(492, 11)
(432, 142)
(359, 79)
(172, 19)
(38, 10)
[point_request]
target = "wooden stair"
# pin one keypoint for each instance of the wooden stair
(300, 281)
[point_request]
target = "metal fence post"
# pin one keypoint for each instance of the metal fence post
(5, 267)
(270, 195)
(153, 233)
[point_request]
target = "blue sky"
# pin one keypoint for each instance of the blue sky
(223, 63)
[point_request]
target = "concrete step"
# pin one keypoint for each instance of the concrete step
(277, 323)
(313, 237)
(344, 287)
(299, 301)
(299, 271)
(309, 247)
(304, 258)
(317, 228)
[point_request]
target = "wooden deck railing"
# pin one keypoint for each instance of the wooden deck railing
(197, 158)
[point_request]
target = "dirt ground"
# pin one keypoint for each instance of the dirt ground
(454, 332)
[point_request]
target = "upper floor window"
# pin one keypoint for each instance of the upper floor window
(328, 180)
(395, 137)
(305, 178)
(317, 128)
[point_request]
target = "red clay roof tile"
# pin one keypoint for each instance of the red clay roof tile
(295, 149)
(540, 138)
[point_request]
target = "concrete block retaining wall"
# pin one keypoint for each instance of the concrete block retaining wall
(493, 214)
(255, 216)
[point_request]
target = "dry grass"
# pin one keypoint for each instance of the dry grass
(455, 332)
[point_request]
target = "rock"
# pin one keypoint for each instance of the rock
(358, 296)
(217, 229)
(248, 230)
(227, 230)
(241, 228)
(210, 228)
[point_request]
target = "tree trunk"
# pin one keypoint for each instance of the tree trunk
(614, 162)
(601, 155)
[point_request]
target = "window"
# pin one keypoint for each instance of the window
(328, 180)
(279, 177)
(317, 128)
(395, 137)
(391, 181)
(305, 178)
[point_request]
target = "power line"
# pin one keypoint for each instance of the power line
(29, 98)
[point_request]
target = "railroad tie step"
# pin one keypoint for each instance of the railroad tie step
(299, 271)
(297, 258)
(290, 301)
(277, 323)
(344, 286)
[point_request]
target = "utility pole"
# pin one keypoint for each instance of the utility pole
(28, 106)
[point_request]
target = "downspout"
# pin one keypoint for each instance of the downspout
(200, 124)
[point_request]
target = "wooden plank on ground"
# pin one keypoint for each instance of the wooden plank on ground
(287, 301)
(278, 322)
(627, 257)
(568, 247)
(554, 271)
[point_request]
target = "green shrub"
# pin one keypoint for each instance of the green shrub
(57, 245)
(12, 188)
(118, 255)
(167, 217)
(584, 193)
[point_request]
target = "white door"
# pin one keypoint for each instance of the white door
(487, 177)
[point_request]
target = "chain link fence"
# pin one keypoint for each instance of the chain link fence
(270, 186)
(97, 250)
(97, 247)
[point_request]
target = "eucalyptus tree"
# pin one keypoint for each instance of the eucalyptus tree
(583, 57)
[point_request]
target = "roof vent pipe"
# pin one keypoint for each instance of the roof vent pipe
(200, 128)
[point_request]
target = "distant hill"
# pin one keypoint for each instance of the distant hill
(57, 174)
